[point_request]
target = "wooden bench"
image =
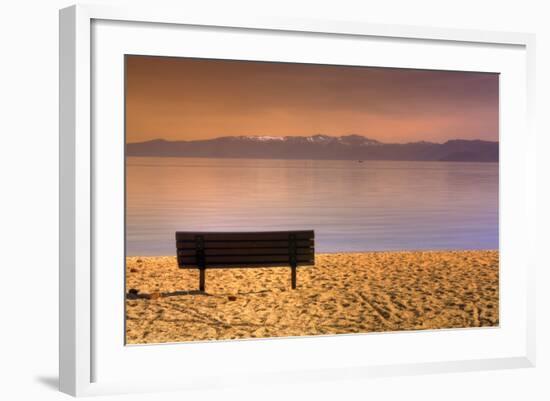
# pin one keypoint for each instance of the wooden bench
(202, 250)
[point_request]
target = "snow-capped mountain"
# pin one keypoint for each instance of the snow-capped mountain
(351, 140)
(348, 147)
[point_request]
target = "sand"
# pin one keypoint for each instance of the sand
(342, 293)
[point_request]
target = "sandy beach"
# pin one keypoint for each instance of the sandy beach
(342, 293)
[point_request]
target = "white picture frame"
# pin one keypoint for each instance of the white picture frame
(82, 344)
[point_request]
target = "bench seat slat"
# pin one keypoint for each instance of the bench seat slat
(246, 265)
(264, 259)
(244, 244)
(245, 252)
(248, 236)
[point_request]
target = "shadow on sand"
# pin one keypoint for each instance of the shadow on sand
(134, 294)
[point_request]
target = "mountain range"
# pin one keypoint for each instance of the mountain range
(348, 147)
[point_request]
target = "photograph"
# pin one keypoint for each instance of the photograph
(268, 199)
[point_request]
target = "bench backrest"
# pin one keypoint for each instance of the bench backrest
(245, 249)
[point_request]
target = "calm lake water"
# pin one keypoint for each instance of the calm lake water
(352, 206)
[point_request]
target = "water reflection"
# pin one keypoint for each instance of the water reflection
(374, 205)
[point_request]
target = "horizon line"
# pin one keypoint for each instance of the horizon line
(308, 136)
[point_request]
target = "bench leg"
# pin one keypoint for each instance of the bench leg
(202, 279)
(293, 277)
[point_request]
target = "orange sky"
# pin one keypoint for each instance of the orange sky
(188, 99)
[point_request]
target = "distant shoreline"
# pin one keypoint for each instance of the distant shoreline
(350, 160)
(318, 147)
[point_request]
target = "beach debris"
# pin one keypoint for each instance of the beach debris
(232, 298)
(133, 291)
(133, 270)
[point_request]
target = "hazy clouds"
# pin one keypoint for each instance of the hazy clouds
(178, 98)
